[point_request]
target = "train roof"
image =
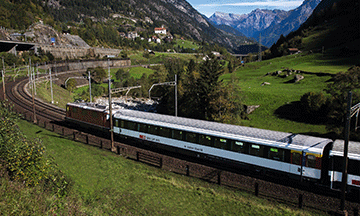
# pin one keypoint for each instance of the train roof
(225, 130)
(353, 149)
(90, 106)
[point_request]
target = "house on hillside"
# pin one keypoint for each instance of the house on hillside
(161, 30)
(294, 51)
(132, 35)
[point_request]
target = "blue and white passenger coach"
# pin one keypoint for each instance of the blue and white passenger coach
(293, 155)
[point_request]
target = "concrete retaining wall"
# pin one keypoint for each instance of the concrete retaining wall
(61, 52)
(84, 64)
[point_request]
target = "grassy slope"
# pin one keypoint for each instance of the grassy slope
(280, 93)
(61, 96)
(108, 184)
(186, 44)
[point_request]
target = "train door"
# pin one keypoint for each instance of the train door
(312, 165)
(296, 163)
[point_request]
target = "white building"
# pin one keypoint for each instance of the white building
(160, 30)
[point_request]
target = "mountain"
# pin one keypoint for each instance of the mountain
(108, 18)
(292, 22)
(333, 29)
(176, 15)
(250, 24)
(269, 23)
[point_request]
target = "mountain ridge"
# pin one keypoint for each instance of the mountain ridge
(269, 23)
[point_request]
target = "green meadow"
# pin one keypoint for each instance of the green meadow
(107, 184)
(281, 92)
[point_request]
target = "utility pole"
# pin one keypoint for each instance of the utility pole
(52, 97)
(33, 98)
(37, 73)
(3, 77)
(110, 112)
(90, 86)
(346, 147)
(176, 110)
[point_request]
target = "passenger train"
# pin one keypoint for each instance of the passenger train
(285, 155)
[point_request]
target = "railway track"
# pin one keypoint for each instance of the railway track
(21, 98)
(17, 93)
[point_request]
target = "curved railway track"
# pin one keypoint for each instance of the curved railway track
(21, 98)
(17, 93)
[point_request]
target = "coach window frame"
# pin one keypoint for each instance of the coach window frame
(220, 142)
(209, 140)
(191, 137)
(256, 150)
(235, 146)
(311, 161)
(144, 128)
(177, 134)
(164, 131)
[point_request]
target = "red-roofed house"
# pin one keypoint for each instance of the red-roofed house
(160, 30)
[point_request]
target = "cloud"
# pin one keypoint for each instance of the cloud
(257, 3)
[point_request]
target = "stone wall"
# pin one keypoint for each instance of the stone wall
(63, 52)
(84, 64)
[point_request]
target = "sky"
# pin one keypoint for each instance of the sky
(209, 7)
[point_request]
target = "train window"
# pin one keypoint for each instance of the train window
(256, 150)
(338, 163)
(311, 161)
(131, 126)
(153, 130)
(94, 114)
(190, 137)
(240, 147)
(176, 134)
(122, 124)
(220, 143)
(296, 158)
(67, 108)
(205, 140)
(143, 128)
(74, 109)
(164, 132)
(354, 167)
(116, 123)
(276, 154)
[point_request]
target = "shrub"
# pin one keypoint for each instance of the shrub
(25, 159)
